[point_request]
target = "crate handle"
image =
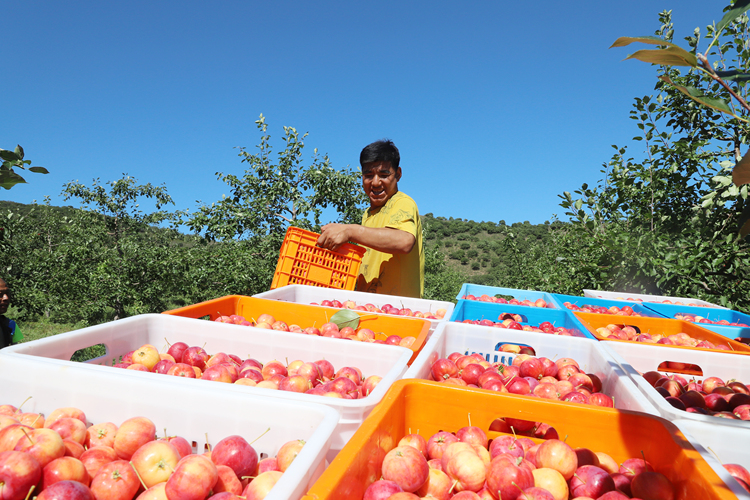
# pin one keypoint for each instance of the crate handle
(680, 367)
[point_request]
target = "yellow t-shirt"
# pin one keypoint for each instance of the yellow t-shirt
(394, 274)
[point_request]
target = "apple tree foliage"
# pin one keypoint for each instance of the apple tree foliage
(666, 219)
(274, 192)
(14, 160)
(117, 267)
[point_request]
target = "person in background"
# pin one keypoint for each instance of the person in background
(9, 331)
(391, 228)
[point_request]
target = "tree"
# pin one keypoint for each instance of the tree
(273, 195)
(123, 274)
(665, 222)
(11, 160)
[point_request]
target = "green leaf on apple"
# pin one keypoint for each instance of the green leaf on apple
(346, 317)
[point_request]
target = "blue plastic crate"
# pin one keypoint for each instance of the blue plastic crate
(714, 314)
(479, 290)
(533, 316)
(582, 301)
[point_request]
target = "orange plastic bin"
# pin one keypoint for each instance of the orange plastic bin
(306, 315)
(302, 262)
(664, 326)
(428, 407)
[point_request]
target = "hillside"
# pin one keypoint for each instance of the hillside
(477, 249)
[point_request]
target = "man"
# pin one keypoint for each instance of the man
(9, 331)
(391, 228)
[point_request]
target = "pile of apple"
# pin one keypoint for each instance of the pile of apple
(561, 380)
(515, 302)
(64, 457)
(329, 329)
(712, 396)
(513, 322)
(700, 319)
(589, 308)
(312, 377)
(468, 466)
(385, 309)
(626, 332)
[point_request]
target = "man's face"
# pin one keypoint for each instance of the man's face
(380, 182)
(4, 297)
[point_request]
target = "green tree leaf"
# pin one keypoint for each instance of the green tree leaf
(346, 317)
(698, 96)
(8, 179)
(39, 170)
(738, 8)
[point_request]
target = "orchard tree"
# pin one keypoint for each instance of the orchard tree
(277, 191)
(271, 195)
(118, 270)
(665, 220)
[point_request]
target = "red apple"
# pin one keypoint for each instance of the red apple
(19, 472)
(66, 490)
(506, 480)
(192, 479)
(650, 485)
(155, 461)
(260, 486)
(94, 459)
(591, 481)
(64, 469)
(132, 434)
(405, 466)
(115, 481)
(557, 455)
(236, 453)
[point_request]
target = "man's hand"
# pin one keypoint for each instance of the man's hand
(332, 236)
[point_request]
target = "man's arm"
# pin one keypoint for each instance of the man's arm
(382, 239)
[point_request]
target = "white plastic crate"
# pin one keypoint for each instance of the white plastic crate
(461, 337)
(641, 358)
(724, 443)
(123, 336)
(195, 412)
(305, 294)
(600, 294)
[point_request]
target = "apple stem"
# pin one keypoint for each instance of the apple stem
(514, 484)
(264, 433)
(579, 478)
(566, 438)
(25, 434)
(714, 454)
(138, 475)
(31, 490)
(455, 482)
(645, 464)
(36, 419)
(165, 340)
(24, 402)
(208, 445)
(469, 416)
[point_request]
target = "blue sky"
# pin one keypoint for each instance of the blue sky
(496, 107)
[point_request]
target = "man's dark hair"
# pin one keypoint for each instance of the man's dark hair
(383, 150)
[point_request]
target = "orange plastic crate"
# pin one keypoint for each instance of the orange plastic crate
(301, 262)
(306, 315)
(428, 407)
(664, 326)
